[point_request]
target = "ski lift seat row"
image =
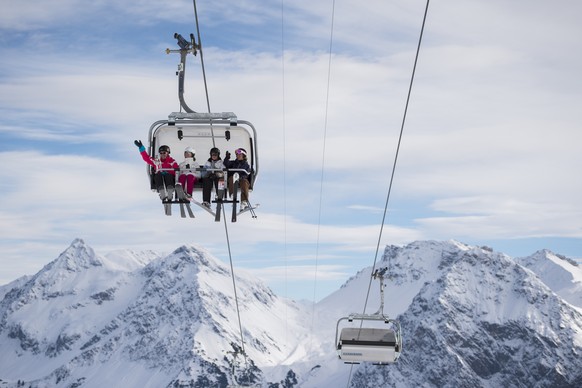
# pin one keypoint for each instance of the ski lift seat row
(203, 131)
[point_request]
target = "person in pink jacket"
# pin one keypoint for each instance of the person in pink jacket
(164, 170)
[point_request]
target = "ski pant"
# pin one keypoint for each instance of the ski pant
(207, 183)
(161, 180)
(187, 181)
(244, 187)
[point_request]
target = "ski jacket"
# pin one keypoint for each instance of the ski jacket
(158, 164)
(238, 164)
(213, 164)
(188, 167)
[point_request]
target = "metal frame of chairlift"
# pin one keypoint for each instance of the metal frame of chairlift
(210, 126)
(208, 130)
(380, 346)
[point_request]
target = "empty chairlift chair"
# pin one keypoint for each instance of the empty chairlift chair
(380, 345)
(360, 344)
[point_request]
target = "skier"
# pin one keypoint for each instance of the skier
(211, 178)
(188, 174)
(166, 178)
(239, 163)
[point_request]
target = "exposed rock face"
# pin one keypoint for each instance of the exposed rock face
(470, 317)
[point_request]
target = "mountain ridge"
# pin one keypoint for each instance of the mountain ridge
(469, 315)
(478, 326)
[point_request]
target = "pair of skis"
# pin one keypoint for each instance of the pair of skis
(182, 200)
(185, 204)
(234, 201)
(221, 199)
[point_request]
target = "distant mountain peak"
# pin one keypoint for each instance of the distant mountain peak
(562, 274)
(198, 256)
(77, 257)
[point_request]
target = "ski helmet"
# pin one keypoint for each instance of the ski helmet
(214, 150)
(241, 151)
(191, 150)
(164, 148)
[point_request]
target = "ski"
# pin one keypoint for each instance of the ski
(250, 208)
(234, 199)
(180, 193)
(219, 199)
(184, 202)
(189, 209)
(209, 210)
(218, 209)
(167, 208)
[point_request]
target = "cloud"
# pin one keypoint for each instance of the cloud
(295, 272)
(52, 199)
(490, 147)
(497, 218)
(37, 14)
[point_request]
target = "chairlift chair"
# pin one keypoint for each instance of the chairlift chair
(371, 344)
(201, 131)
(360, 344)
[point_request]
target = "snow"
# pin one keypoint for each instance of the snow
(140, 318)
(562, 275)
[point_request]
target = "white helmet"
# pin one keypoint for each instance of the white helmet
(191, 150)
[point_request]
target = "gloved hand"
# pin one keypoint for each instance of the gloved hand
(139, 145)
(227, 155)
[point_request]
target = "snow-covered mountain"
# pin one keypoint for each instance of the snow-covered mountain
(478, 319)
(562, 275)
(470, 317)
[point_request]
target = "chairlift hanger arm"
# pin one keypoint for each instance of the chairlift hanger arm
(185, 48)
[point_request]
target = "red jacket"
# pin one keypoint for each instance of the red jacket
(169, 163)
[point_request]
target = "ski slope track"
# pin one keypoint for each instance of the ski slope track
(470, 317)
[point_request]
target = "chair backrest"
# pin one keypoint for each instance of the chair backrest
(203, 136)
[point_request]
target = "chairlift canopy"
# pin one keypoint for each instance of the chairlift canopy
(204, 131)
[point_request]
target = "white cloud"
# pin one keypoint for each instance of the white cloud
(26, 15)
(500, 218)
(490, 146)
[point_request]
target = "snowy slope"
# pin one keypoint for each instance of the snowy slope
(91, 320)
(470, 317)
(562, 275)
(478, 319)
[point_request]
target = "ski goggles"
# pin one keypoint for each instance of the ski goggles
(240, 151)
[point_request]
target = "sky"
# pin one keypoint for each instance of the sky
(490, 151)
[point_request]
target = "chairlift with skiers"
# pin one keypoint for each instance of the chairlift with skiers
(202, 132)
